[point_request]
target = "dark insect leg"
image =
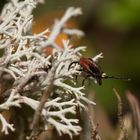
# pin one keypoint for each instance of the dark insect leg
(81, 69)
(75, 62)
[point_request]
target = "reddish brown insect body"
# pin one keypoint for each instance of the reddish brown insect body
(91, 69)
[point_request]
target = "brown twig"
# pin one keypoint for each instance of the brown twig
(47, 91)
(94, 135)
(134, 104)
(94, 131)
(123, 134)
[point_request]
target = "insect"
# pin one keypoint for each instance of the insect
(91, 70)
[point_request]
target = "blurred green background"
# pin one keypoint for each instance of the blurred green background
(111, 27)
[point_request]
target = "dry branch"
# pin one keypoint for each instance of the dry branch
(123, 133)
(134, 104)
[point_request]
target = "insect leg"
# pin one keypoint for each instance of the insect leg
(75, 62)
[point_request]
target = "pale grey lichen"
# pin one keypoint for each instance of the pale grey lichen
(28, 68)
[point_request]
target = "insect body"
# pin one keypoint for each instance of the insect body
(92, 70)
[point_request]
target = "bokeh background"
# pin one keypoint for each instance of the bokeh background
(111, 27)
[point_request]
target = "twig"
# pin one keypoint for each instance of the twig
(93, 131)
(47, 91)
(123, 134)
(134, 104)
